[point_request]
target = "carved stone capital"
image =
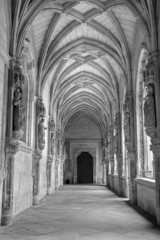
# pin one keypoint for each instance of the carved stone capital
(12, 146)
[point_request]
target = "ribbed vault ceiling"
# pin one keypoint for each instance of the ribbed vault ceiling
(83, 51)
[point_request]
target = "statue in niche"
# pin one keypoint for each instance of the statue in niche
(127, 126)
(18, 110)
(53, 139)
(52, 136)
(126, 123)
(41, 134)
(105, 146)
(149, 107)
(115, 141)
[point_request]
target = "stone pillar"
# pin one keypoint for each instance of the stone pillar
(130, 145)
(7, 204)
(39, 147)
(56, 173)
(36, 171)
(51, 153)
(112, 171)
(117, 150)
(49, 174)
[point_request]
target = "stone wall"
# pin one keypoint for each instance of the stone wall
(146, 197)
(23, 181)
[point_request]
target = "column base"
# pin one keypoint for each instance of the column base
(36, 199)
(7, 218)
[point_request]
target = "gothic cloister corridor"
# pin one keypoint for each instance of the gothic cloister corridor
(81, 212)
(79, 104)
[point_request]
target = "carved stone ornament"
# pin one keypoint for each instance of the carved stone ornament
(149, 107)
(18, 75)
(40, 108)
(19, 112)
(52, 136)
(115, 133)
(12, 146)
(150, 68)
(127, 123)
(41, 134)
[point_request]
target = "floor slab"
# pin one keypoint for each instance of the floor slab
(81, 212)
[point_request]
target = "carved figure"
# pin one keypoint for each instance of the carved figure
(41, 134)
(127, 126)
(18, 110)
(53, 139)
(149, 108)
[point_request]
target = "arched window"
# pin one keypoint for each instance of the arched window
(144, 154)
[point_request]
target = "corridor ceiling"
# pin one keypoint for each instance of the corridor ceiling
(83, 53)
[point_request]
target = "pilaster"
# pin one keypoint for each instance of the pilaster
(7, 205)
(49, 174)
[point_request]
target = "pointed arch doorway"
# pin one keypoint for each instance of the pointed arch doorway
(84, 168)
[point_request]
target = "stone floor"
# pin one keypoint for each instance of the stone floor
(81, 213)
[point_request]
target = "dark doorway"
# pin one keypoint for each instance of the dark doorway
(84, 168)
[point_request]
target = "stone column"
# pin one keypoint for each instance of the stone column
(39, 147)
(36, 171)
(7, 204)
(51, 153)
(57, 173)
(105, 161)
(49, 174)
(118, 151)
(130, 145)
